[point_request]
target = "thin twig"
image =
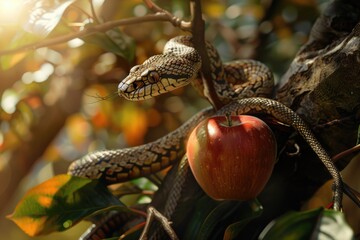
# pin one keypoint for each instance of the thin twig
(352, 194)
(93, 12)
(186, 26)
(345, 153)
(138, 212)
(153, 213)
(333, 122)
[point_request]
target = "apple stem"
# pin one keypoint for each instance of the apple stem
(228, 118)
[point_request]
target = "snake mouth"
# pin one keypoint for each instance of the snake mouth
(135, 93)
(138, 90)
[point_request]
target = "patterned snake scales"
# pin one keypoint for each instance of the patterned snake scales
(243, 83)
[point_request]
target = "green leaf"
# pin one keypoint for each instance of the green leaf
(218, 214)
(203, 207)
(247, 213)
(316, 224)
(44, 15)
(60, 202)
(113, 41)
(212, 218)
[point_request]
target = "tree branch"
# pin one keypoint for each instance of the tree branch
(198, 27)
(160, 16)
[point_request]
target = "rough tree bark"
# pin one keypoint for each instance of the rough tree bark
(323, 85)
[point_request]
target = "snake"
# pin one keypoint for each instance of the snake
(243, 86)
(177, 66)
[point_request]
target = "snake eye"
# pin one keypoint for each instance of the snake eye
(153, 77)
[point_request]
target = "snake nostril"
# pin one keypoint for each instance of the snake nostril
(134, 68)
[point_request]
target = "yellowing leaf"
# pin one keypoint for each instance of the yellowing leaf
(31, 226)
(12, 60)
(60, 202)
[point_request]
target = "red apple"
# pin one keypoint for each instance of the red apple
(232, 157)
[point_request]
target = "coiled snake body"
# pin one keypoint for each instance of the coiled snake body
(244, 83)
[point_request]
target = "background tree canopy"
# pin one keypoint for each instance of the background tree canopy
(58, 88)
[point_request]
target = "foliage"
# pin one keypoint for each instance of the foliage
(60, 202)
(319, 223)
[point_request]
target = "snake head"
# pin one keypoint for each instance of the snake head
(138, 83)
(157, 75)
